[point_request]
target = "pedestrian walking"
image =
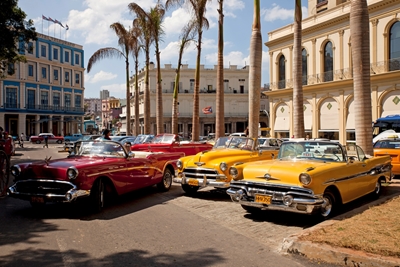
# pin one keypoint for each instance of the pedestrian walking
(46, 141)
(21, 140)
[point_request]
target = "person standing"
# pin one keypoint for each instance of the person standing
(21, 140)
(46, 141)
(106, 134)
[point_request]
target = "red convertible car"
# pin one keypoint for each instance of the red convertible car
(100, 170)
(51, 138)
(172, 143)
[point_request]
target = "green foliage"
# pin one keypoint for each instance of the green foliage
(15, 34)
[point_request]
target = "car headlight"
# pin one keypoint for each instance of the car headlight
(223, 167)
(15, 170)
(179, 164)
(233, 172)
(72, 173)
(305, 178)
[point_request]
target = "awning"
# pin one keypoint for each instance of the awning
(281, 124)
(350, 123)
(307, 122)
(329, 121)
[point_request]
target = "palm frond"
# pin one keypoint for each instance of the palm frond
(107, 52)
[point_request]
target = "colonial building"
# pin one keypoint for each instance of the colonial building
(236, 105)
(111, 108)
(327, 69)
(45, 94)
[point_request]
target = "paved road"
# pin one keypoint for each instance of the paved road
(145, 228)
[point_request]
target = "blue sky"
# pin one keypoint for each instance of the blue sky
(89, 25)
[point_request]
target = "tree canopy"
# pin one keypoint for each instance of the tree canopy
(15, 33)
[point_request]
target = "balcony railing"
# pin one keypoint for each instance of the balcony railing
(48, 108)
(337, 75)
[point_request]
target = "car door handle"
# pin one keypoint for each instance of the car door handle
(363, 165)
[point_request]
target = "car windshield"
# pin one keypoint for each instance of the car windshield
(389, 144)
(313, 150)
(235, 142)
(163, 139)
(101, 149)
(143, 138)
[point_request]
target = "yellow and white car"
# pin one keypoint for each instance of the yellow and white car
(309, 177)
(211, 167)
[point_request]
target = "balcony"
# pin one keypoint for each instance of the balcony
(42, 108)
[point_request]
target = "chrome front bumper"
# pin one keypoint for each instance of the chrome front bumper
(69, 196)
(201, 182)
(297, 204)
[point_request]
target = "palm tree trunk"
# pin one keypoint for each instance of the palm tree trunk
(359, 29)
(196, 97)
(128, 96)
(298, 111)
(255, 72)
(146, 114)
(159, 100)
(136, 131)
(175, 97)
(220, 115)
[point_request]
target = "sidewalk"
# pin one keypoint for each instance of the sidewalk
(343, 256)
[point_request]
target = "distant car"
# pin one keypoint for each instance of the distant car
(172, 143)
(72, 137)
(269, 143)
(211, 167)
(100, 171)
(391, 147)
(143, 139)
(238, 134)
(51, 138)
(309, 177)
(72, 145)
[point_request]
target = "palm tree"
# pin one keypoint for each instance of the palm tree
(255, 71)
(220, 112)
(198, 7)
(125, 42)
(359, 29)
(185, 39)
(298, 111)
(136, 48)
(144, 23)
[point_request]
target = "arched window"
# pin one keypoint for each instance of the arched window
(304, 65)
(282, 74)
(328, 62)
(394, 49)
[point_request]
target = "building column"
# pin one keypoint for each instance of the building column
(374, 41)
(290, 62)
(62, 125)
(272, 117)
(341, 54)
(2, 120)
(50, 123)
(342, 118)
(315, 118)
(314, 57)
(21, 123)
(37, 125)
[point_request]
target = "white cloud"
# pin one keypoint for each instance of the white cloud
(173, 24)
(116, 90)
(100, 76)
(279, 13)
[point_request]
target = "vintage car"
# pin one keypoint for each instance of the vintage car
(72, 137)
(172, 143)
(309, 177)
(101, 170)
(391, 147)
(51, 138)
(72, 145)
(211, 167)
(269, 143)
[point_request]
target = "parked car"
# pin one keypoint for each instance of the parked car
(172, 143)
(73, 137)
(211, 167)
(100, 171)
(143, 139)
(72, 145)
(391, 147)
(51, 138)
(309, 177)
(269, 143)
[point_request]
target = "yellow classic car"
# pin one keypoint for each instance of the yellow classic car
(391, 147)
(309, 177)
(210, 168)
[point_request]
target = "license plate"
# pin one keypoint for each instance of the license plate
(193, 182)
(263, 199)
(37, 199)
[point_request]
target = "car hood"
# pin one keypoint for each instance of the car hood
(57, 169)
(285, 171)
(225, 155)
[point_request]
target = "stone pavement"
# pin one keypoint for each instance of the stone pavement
(343, 256)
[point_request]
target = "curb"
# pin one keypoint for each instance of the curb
(338, 255)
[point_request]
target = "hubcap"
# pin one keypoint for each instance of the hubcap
(326, 207)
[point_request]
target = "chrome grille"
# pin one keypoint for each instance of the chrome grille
(198, 173)
(43, 187)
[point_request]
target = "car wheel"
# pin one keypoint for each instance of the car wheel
(378, 189)
(38, 142)
(252, 210)
(166, 181)
(189, 189)
(328, 208)
(97, 195)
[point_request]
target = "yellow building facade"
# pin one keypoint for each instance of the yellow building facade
(327, 69)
